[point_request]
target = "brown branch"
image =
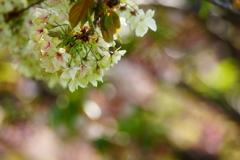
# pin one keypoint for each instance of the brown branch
(219, 102)
(31, 5)
(13, 14)
(98, 12)
(226, 4)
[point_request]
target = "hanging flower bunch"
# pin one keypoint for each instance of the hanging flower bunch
(70, 42)
(15, 22)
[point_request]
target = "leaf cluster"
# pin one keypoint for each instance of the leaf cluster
(105, 17)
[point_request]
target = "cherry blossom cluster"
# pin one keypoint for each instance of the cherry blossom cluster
(14, 33)
(47, 47)
(6, 26)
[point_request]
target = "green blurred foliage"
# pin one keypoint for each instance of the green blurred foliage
(174, 96)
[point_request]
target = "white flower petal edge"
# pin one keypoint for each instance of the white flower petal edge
(141, 29)
(151, 23)
(150, 13)
(141, 22)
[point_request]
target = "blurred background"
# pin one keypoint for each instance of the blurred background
(175, 95)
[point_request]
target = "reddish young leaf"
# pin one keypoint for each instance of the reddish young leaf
(78, 12)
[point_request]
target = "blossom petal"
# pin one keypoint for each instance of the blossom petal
(53, 80)
(73, 73)
(140, 12)
(122, 52)
(63, 82)
(150, 13)
(133, 22)
(123, 21)
(141, 30)
(65, 75)
(151, 23)
(73, 85)
(83, 83)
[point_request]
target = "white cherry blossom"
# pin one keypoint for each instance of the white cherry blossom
(46, 47)
(141, 22)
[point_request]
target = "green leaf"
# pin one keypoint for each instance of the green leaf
(78, 12)
(116, 21)
(107, 35)
(107, 21)
(110, 25)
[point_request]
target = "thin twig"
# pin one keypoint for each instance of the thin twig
(226, 5)
(11, 15)
(31, 5)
